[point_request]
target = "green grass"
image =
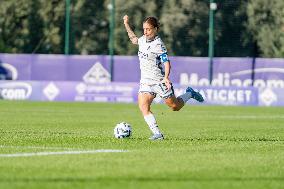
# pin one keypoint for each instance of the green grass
(205, 147)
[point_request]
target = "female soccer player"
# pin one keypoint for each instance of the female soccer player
(155, 70)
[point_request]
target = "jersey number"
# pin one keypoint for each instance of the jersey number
(163, 87)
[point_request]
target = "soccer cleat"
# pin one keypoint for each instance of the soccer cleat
(157, 137)
(195, 94)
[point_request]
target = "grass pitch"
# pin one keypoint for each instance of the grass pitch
(205, 147)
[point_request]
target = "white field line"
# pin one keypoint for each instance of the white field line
(38, 147)
(62, 153)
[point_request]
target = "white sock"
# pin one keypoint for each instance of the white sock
(152, 123)
(185, 97)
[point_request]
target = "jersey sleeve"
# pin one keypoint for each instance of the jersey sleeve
(162, 52)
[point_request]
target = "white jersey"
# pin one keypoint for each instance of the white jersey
(152, 54)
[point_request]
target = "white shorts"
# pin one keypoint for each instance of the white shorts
(160, 89)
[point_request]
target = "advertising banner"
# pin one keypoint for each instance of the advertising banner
(68, 91)
(127, 93)
(227, 72)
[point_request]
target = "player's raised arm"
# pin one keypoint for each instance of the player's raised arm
(130, 32)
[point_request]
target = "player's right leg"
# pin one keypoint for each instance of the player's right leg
(145, 99)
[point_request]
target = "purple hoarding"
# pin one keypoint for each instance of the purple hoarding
(185, 70)
(68, 91)
(80, 77)
(127, 93)
(115, 92)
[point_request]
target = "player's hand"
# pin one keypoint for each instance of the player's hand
(125, 19)
(167, 82)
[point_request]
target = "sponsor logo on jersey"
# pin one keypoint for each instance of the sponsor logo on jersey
(142, 55)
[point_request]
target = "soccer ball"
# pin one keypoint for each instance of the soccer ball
(122, 130)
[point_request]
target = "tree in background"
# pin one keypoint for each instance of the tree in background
(185, 25)
(35, 28)
(90, 27)
(232, 38)
(31, 26)
(52, 15)
(38, 26)
(14, 25)
(266, 19)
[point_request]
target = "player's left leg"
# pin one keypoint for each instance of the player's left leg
(176, 103)
(190, 93)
